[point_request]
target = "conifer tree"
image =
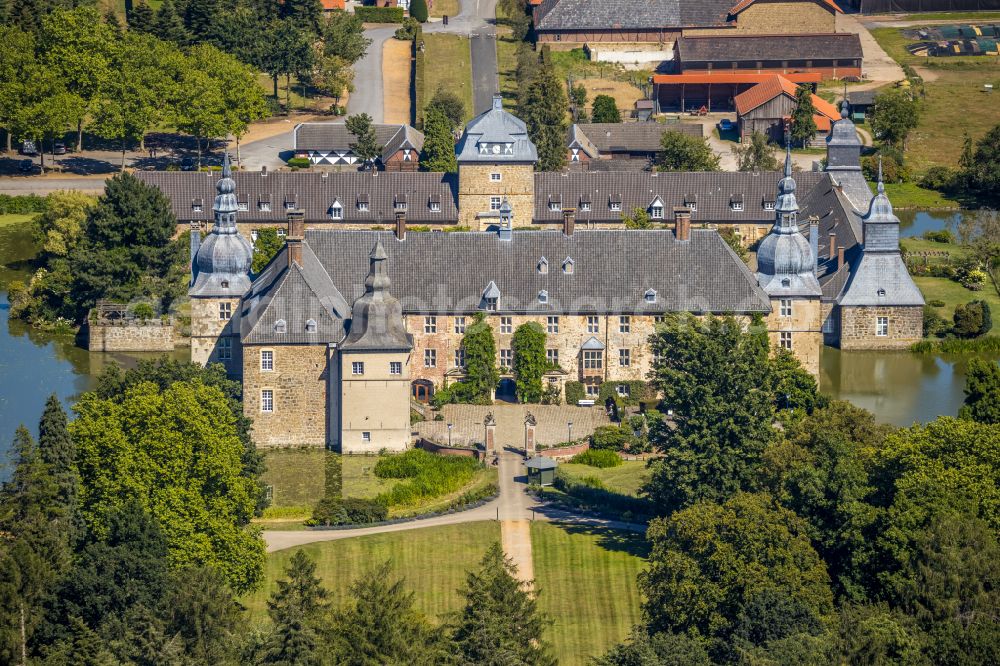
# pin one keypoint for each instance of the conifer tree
(296, 608)
(366, 145)
(605, 110)
(803, 127)
(500, 623)
(168, 24)
(141, 18)
(418, 10)
(544, 112)
(57, 451)
(439, 145)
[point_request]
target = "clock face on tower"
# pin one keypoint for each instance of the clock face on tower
(496, 149)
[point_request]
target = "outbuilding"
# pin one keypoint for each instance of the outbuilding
(541, 470)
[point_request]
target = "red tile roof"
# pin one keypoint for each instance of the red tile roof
(776, 85)
(743, 4)
(723, 77)
(329, 5)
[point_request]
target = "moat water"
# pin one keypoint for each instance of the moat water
(899, 387)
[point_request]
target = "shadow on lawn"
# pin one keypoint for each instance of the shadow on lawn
(608, 538)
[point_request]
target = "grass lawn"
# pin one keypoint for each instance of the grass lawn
(444, 8)
(965, 17)
(911, 195)
(624, 479)
(449, 66)
(955, 103)
(587, 582)
(10, 219)
(952, 293)
(913, 244)
(507, 66)
(432, 560)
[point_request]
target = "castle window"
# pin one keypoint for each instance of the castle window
(650, 296)
(623, 390)
(395, 367)
(785, 282)
(267, 401)
(616, 205)
(880, 292)
(430, 325)
(624, 324)
(459, 358)
(430, 358)
(280, 326)
(266, 360)
(196, 205)
(656, 212)
(593, 390)
(736, 203)
(491, 304)
(460, 324)
(336, 211)
(506, 358)
(264, 206)
(593, 324)
(225, 349)
(225, 311)
(552, 356)
(552, 325)
(593, 360)
(625, 357)
(506, 325)
(828, 325)
(495, 203)
(543, 266)
(543, 296)
(567, 266)
(358, 368)
(243, 205)
(495, 177)
(311, 326)
(881, 326)
(585, 206)
(786, 307)
(224, 284)
(768, 205)
(366, 437)
(785, 339)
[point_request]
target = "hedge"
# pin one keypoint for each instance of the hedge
(574, 393)
(350, 511)
(600, 458)
(22, 204)
(300, 162)
(419, 75)
(380, 14)
(638, 390)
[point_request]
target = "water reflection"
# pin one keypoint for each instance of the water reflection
(913, 223)
(899, 387)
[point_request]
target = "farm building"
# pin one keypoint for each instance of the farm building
(834, 55)
(329, 144)
(714, 92)
(766, 107)
(620, 141)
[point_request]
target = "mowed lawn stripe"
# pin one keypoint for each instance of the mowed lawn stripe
(433, 561)
(587, 580)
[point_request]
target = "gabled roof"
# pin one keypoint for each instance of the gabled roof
(630, 14)
(732, 77)
(334, 136)
(625, 137)
(840, 46)
(743, 4)
(496, 127)
(764, 92)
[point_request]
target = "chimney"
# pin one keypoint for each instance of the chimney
(263, 170)
(840, 257)
(682, 223)
(569, 221)
(296, 234)
(833, 245)
(400, 225)
(814, 241)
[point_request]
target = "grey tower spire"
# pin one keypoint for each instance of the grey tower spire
(224, 257)
(377, 317)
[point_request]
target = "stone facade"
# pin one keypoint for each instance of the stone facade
(211, 328)
(477, 186)
(150, 336)
(298, 385)
(800, 320)
(370, 413)
(859, 327)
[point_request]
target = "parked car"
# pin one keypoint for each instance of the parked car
(59, 148)
(28, 148)
(189, 164)
(28, 167)
(726, 125)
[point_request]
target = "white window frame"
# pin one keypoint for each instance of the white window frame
(593, 390)
(434, 206)
(267, 401)
(430, 324)
(506, 324)
(785, 339)
(225, 311)
(785, 308)
(264, 206)
(395, 367)
(363, 206)
(460, 325)
(552, 324)
(495, 177)
(430, 358)
(768, 205)
(552, 356)
(366, 436)
(336, 212)
(357, 368)
(506, 358)
(623, 390)
(593, 359)
(459, 358)
(828, 325)
(656, 212)
(650, 296)
(624, 324)
(243, 205)
(267, 360)
(555, 206)
(225, 349)
(495, 203)
(625, 358)
(737, 206)
(881, 327)
(543, 296)
(615, 205)
(585, 207)
(593, 324)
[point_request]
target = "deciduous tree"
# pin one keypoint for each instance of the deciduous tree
(605, 110)
(365, 145)
(803, 122)
(344, 36)
(893, 117)
(450, 104)
(60, 227)
(267, 244)
(439, 144)
(982, 392)
(757, 154)
(480, 349)
(680, 152)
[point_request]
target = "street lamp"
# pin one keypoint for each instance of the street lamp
(569, 426)
(450, 426)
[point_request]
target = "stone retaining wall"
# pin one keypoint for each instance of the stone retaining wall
(445, 450)
(559, 452)
(150, 336)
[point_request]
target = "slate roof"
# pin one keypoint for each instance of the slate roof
(334, 136)
(612, 270)
(726, 49)
(315, 194)
(711, 192)
(624, 137)
(630, 14)
(862, 97)
(496, 127)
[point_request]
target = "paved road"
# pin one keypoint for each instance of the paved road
(367, 96)
(20, 185)
(485, 79)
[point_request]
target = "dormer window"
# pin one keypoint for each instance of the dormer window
(399, 203)
(736, 202)
(615, 203)
(264, 205)
(280, 326)
(434, 204)
(363, 203)
(691, 202)
(656, 209)
(289, 205)
(243, 204)
(336, 211)
(881, 293)
(311, 326)
(197, 205)
(567, 266)
(786, 283)
(543, 266)
(543, 296)
(555, 204)
(650, 296)
(585, 206)
(768, 205)
(491, 296)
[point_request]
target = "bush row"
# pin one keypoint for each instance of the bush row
(602, 458)
(380, 14)
(22, 204)
(350, 511)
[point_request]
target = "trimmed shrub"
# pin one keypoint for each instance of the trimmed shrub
(408, 31)
(601, 458)
(972, 319)
(940, 236)
(418, 10)
(351, 511)
(380, 14)
(936, 303)
(143, 311)
(299, 162)
(574, 393)
(934, 324)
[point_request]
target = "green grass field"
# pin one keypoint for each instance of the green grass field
(952, 293)
(624, 479)
(954, 105)
(449, 67)
(432, 560)
(587, 582)
(911, 195)
(10, 219)
(445, 8)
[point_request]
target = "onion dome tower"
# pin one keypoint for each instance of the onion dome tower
(785, 261)
(222, 263)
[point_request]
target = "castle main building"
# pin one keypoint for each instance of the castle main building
(345, 325)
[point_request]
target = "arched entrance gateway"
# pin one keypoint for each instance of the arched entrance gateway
(422, 390)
